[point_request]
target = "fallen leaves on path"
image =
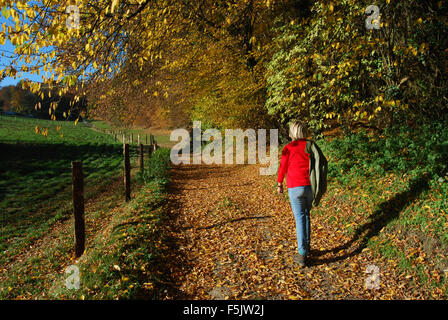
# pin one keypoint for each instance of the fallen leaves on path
(236, 237)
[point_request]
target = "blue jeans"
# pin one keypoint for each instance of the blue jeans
(301, 199)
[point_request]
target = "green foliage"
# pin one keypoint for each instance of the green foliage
(157, 166)
(331, 67)
(206, 111)
(401, 149)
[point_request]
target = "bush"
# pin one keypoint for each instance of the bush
(401, 149)
(157, 166)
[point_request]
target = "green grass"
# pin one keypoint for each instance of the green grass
(161, 136)
(101, 124)
(35, 175)
(37, 224)
(34, 274)
(127, 261)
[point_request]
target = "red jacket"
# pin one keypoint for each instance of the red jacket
(295, 162)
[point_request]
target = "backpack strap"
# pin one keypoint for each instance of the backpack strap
(308, 145)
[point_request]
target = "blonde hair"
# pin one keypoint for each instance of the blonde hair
(298, 130)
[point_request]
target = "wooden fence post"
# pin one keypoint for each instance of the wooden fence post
(141, 158)
(78, 207)
(138, 139)
(127, 172)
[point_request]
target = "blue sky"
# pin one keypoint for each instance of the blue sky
(7, 48)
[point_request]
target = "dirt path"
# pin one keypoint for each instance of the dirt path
(235, 239)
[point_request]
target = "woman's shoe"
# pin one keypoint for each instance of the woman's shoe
(298, 258)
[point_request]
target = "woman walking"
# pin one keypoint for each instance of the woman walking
(305, 167)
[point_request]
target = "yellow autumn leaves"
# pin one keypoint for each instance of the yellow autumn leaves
(380, 102)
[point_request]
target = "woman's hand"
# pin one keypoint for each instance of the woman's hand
(280, 188)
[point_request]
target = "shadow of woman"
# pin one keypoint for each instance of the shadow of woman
(387, 212)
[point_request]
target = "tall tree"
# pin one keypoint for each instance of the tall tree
(128, 48)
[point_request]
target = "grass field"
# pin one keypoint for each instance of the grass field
(35, 175)
(36, 235)
(162, 136)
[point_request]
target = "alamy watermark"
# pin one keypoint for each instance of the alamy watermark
(213, 151)
(373, 280)
(72, 21)
(72, 282)
(373, 20)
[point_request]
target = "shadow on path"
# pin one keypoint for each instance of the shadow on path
(388, 211)
(173, 264)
